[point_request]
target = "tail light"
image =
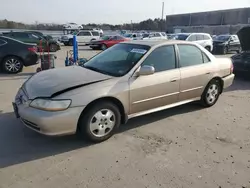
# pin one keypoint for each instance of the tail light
(33, 49)
(232, 68)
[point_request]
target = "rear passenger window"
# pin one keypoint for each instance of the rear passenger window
(162, 59)
(192, 38)
(190, 55)
(206, 37)
(199, 37)
(95, 33)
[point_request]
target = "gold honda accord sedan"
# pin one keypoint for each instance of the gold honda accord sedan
(127, 80)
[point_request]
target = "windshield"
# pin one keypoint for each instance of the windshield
(128, 35)
(117, 60)
(181, 37)
(222, 37)
(106, 37)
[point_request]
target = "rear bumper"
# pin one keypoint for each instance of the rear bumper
(31, 59)
(228, 80)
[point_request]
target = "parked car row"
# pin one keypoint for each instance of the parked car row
(45, 43)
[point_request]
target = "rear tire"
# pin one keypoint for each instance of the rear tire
(100, 122)
(211, 93)
(12, 65)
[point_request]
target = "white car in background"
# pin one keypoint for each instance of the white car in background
(82, 37)
(98, 30)
(203, 39)
(156, 36)
(72, 26)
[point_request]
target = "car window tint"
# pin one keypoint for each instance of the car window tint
(199, 37)
(84, 33)
(116, 55)
(20, 35)
(205, 58)
(157, 34)
(162, 59)
(94, 33)
(192, 38)
(190, 55)
(206, 37)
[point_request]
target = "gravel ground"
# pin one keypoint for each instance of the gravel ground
(187, 146)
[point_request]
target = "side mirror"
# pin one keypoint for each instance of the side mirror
(146, 70)
(82, 61)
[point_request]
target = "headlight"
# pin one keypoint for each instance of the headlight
(50, 105)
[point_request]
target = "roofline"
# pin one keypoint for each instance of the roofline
(212, 11)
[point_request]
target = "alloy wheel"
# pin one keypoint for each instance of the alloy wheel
(102, 123)
(212, 93)
(13, 65)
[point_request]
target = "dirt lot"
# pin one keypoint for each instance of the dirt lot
(187, 146)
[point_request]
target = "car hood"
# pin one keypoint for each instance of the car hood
(244, 36)
(53, 82)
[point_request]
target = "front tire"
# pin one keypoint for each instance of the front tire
(100, 122)
(12, 65)
(104, 47)
(211, 93)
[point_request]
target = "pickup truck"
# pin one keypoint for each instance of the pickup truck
(82, 37)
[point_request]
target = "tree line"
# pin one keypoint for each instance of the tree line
(150, 24)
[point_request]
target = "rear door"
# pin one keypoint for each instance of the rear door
(196, 71)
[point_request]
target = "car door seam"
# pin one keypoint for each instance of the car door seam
(158, 97)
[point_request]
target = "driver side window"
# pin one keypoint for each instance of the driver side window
(162, 59)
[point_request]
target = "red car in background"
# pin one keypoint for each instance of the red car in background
(106, 42)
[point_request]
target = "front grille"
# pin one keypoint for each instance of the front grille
(30, 124)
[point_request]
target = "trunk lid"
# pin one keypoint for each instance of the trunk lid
(244, 37)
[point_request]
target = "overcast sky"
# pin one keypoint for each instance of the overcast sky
(105, 11)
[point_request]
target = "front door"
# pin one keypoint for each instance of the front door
(159, 89)
(195, 70)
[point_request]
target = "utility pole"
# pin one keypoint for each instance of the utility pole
(162, 16)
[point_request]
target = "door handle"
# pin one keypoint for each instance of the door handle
(173, 80)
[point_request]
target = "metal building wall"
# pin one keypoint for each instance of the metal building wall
(223, 17)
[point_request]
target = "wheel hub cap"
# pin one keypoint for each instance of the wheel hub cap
(102, 123)
(212, 93)
(13, 65)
